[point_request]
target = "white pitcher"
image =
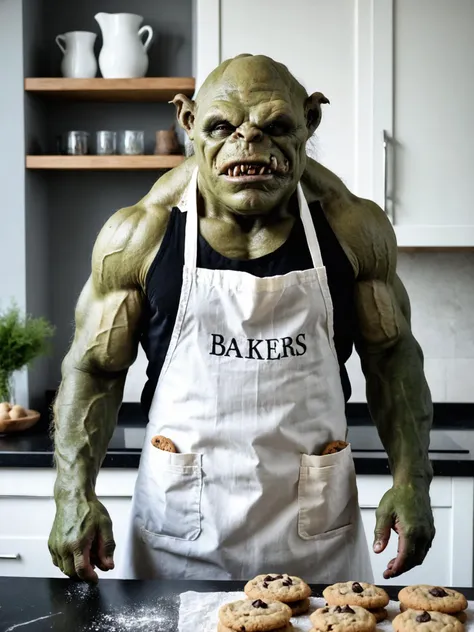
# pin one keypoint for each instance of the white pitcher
(78, 49)
(123, 54)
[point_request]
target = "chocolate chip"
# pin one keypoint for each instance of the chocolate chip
(265, 585)
(325, 610)
(286, 583)
(338, 609)
(348, 609)
(242, 628)
(438, 592)
(258, 603)
(268, 578)
(424, 617)
(330, 627)
(357, 588)
(278, 577)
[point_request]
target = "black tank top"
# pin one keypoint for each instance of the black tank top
(164, 279)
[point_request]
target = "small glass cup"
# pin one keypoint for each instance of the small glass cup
(132, 143)
(106, 143)
(77, 143)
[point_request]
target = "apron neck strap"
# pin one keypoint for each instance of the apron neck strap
(309, 230)
(192, 225)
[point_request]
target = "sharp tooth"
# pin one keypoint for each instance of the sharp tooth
(243, 168)
(229, 171)
(236, 170)
(251, 171)
(262, 171)
(273, 163)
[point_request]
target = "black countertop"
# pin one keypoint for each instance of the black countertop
(61, 605)
(451, 449)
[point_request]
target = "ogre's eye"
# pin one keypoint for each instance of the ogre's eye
(222, 128)
(277, 128)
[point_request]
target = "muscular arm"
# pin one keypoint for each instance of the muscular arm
(108, 318)
(397, 393)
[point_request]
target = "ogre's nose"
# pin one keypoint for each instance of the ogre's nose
(249, 133)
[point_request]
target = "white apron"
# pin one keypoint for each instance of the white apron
(250, 393)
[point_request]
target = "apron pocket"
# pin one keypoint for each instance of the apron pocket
(327, 494)
(174, 495)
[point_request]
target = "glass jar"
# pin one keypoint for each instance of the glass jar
(132, 143)
(106, 143)
(77, 143)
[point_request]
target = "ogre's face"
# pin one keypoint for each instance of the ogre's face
(249, 126)
(250, 148)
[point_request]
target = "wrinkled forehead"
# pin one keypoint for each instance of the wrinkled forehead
(258, 101)
(248, 87)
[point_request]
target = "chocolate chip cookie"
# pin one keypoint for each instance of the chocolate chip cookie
(163, 443)
(380, 614)
(284, 588)
(333, 447)
(432, 598)
(299, 607)
(460, 616)
(343, 619)
(255, 615)
(222, 628)
(432, 621)
(356, 593)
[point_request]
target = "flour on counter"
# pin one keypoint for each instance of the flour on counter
(81, 591)
(157, 617)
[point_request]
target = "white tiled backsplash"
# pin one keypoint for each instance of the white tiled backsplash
(441, 290)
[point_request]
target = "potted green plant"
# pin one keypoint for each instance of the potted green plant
(22, 340)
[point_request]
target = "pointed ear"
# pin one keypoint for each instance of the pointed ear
(312, 110)
(185, 113)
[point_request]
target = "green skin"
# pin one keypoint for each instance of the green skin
(249, 109)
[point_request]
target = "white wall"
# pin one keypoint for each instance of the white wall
(12, 170)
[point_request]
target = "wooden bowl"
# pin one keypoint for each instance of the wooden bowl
(17, 425)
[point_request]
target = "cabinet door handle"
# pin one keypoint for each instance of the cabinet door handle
(10, 556)
(386, 197)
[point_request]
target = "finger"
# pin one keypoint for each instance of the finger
(54, 557)
(67, 563)
(83, 565)
(106, 548)
(383, 528)
(412, 552)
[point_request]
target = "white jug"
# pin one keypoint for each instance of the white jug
(123, 54)
(78, 49)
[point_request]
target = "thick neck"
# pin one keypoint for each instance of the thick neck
(211, 207)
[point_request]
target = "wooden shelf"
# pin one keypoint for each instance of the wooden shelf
(151, 89)
(104, 163)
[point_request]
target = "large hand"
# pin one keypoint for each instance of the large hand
(407, 510)
(82, 538)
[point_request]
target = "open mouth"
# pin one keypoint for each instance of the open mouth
(251, 171)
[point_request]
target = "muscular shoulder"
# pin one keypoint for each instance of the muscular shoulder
(130, 239)
(360, 225)
(127, 245)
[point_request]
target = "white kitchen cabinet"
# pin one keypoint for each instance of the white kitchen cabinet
(27, 512)
(393, 66)
(423, 58)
